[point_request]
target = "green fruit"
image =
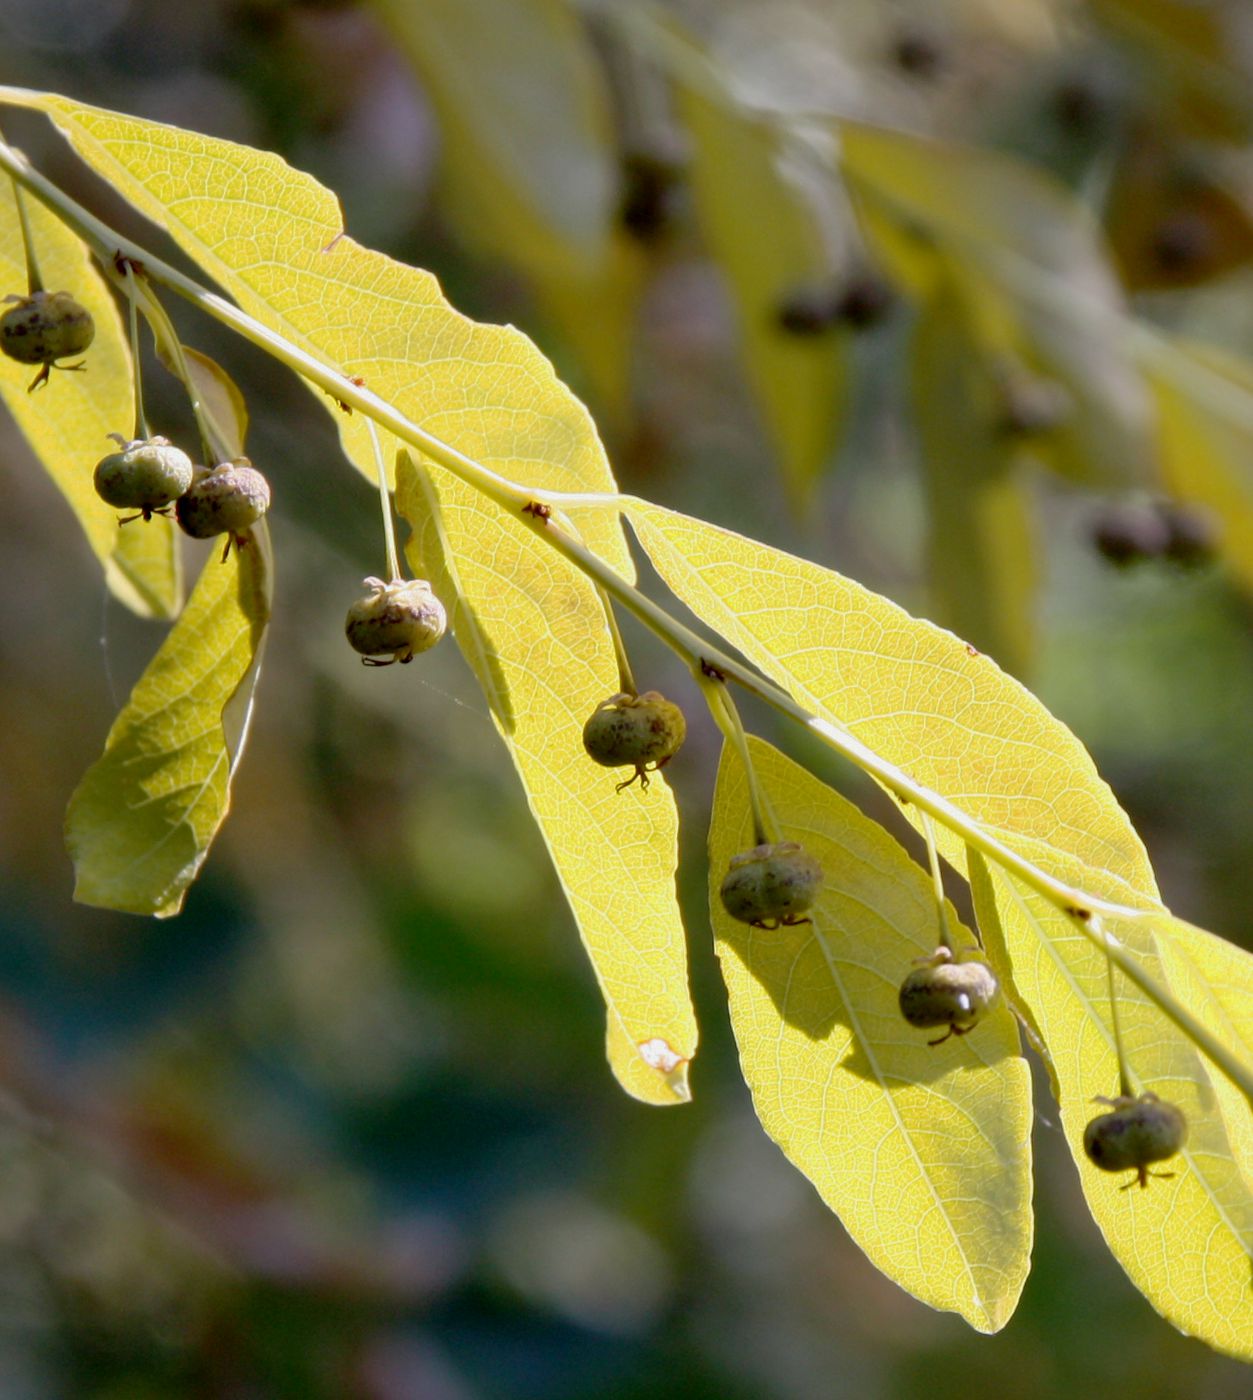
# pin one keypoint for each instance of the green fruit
(1135, 1133)
(227, 500)
(43, 328)
(945, 992)
(772, 884)
(147, 475)
(395, 621)
(637, 731)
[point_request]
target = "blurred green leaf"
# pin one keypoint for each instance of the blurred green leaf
(1198, 53)
(766, 238)
(528, 161)
(1205, 426)
(67, 421)
(981, 552)
(924, 1151)
(1036, 250)
(141, 821)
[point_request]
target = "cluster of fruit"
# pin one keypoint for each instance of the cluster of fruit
(776, 883)
(771, 886)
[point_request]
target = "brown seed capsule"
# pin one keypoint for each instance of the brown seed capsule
(948, 992)
(395, 621)
(1135, 1133)
(146, 476)
(772, 884)
(636, 731)
(43, 328)
(226, 500)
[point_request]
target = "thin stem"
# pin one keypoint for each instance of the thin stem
(937, 884)
(727, 717)
(1124, 1076)
(626, 677)
(215, 445)
(106, 244)
(34, 280)
(141, 422)
(385, 500)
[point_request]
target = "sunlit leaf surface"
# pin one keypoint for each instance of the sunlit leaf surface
(141, 821)
(67, 421)
(924, 1151)
(907, 689)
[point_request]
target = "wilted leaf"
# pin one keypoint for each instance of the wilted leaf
(924, 1151)
(67, 421)
(768, 242)
(141, 821)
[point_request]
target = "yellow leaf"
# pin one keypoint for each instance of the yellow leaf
(905, 688)
(923, 1151)
(532, 628)
(272, 237)
(141, 821)
(769, 245)
(1186, 1241)
(67, 421)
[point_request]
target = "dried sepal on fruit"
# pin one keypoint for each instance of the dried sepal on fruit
(395, 621)
(44, 328)
(146, 475)
(773, 884)
(1135, 1133)
(947, 990)
(228, 499)
(643, 732)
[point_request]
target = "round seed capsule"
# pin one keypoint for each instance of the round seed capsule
(146, 475)
(634, 731)
(945, 992)
(226, 500)
(395, 621)
(43, 328)
(772, 884)
(1135, 1133)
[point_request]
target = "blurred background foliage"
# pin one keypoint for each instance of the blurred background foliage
(345, 1127)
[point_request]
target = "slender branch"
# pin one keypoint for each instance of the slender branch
(107, 244)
